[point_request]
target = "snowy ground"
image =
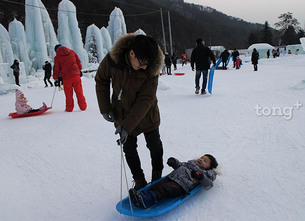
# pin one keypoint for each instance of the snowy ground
(66, 166)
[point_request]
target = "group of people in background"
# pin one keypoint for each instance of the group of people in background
(168, 61)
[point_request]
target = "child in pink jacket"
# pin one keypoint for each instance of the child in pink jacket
(21, 104)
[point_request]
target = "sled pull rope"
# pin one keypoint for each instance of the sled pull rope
(53, 96)
(124, 168)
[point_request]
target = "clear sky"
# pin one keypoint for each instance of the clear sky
(257, 11)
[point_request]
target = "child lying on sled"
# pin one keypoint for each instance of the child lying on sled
(185, 177)
(21, 104)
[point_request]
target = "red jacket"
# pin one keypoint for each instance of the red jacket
(66, 63)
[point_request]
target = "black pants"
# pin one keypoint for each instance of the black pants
(168, 70)
(33, 110)
(153, 143)
(224, 64)
(175, 65)
(234, 62)
(167, 188)
(255, 67)
(47, 78)
(16, 78)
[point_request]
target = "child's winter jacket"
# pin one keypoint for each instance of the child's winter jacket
(182, 175)
(21, 105)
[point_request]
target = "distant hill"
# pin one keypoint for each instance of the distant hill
(188, 21)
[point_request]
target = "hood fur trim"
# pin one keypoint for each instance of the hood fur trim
(122, 45)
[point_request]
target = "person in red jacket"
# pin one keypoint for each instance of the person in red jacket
(67, 63)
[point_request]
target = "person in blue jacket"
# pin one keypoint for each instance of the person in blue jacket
(185, 177)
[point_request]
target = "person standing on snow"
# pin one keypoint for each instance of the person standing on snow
(174, 60)
(47, 67)
(224, 58)
(16, 70)
(183, 59)
(235, 54)
(168, 64)
(254, 58)
(132, 69)
(201, 56)
(67, 63)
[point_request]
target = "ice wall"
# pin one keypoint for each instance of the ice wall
(116, 24)
(49, 32)
(94, 44)
(6, 55)
(140, 32)
(69, 34)
(35, 33)
(19, 46)
(302, 40)
(107, 43)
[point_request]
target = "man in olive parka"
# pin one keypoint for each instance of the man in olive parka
(132, 69)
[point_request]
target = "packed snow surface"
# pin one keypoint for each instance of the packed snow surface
(66, 166)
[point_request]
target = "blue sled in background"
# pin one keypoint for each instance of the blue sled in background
(211, 75)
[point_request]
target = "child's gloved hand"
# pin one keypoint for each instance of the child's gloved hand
(171, 162)
(56, 83)
(197, 175)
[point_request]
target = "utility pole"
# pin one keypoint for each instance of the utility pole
(170, 34)
(163, 31)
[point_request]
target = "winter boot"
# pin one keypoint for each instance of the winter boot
(146, 198)
(134, 198)
(156, 174)
(203, 91)
(197, 90)
(44, 106)
(140, 183)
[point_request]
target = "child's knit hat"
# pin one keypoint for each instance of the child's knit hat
(18, 92)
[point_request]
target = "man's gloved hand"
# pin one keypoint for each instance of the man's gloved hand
(109, 116)
(171, 161)
(197, 175)
(56, 83)
(123, 134)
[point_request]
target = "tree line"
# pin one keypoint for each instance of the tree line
(287, 32)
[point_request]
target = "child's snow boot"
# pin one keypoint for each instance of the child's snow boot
(44, 106)
(134, 198)
(146, 198)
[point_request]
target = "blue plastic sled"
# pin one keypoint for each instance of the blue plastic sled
(211, 75)
(155, 210)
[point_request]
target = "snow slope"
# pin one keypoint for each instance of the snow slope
(66, 166)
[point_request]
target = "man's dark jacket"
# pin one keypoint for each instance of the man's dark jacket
(202, 55)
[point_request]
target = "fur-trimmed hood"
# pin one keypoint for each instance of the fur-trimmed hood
(122, 45)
